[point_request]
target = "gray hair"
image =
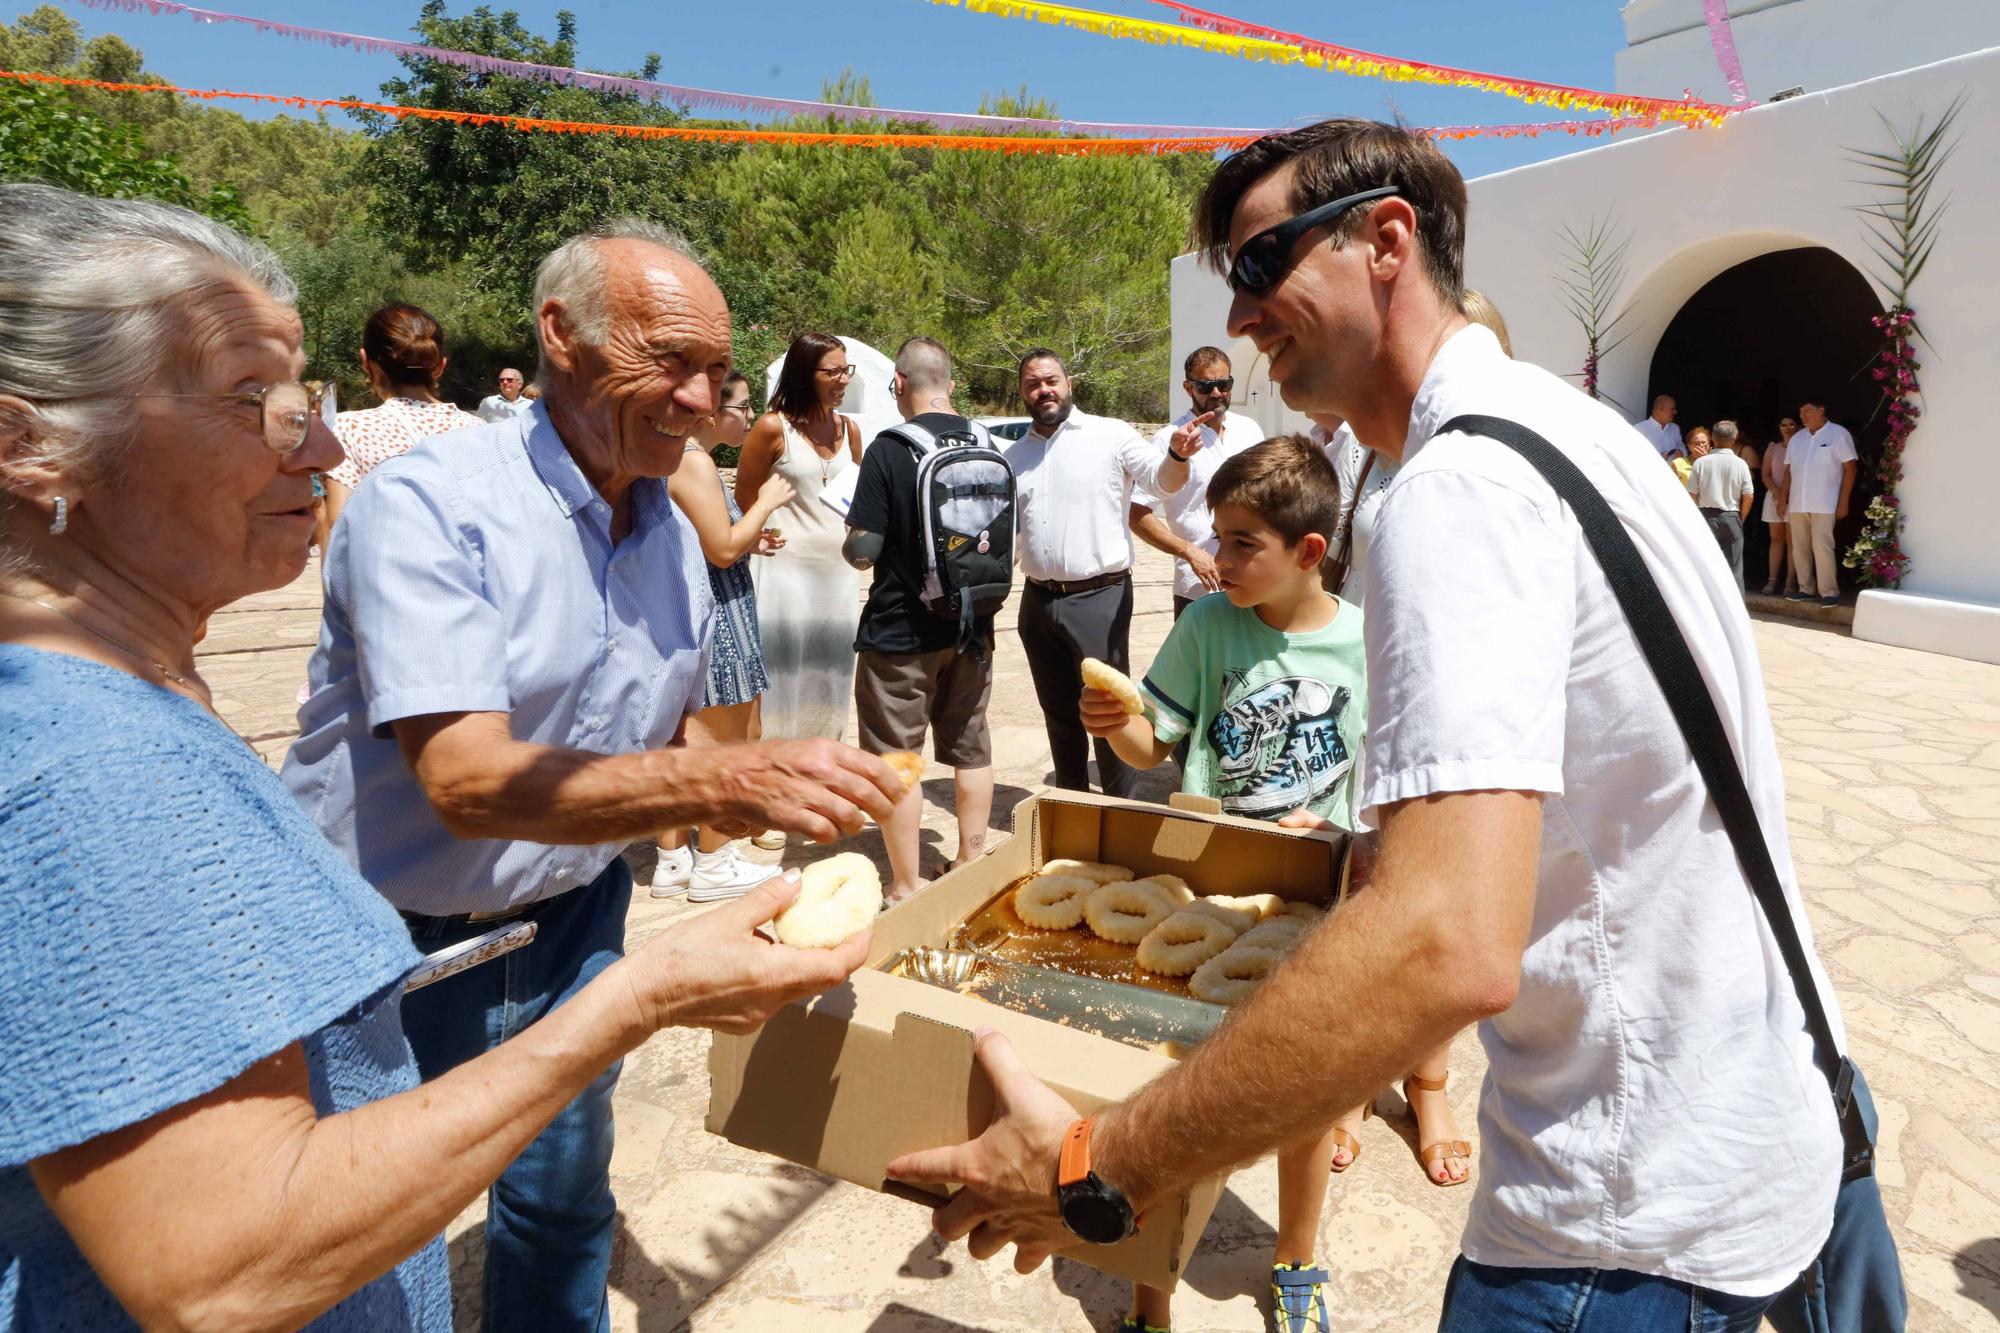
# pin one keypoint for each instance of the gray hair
(573, 273)
(925, 363)
(1723, 432)
(90, 292)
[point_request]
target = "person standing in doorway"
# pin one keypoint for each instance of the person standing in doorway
(1777, 475)
(1823, 462)
(1722, 489)
(910, 675)
(1660, 430)
(1181, 525)
(808, 598)
(1075, 474)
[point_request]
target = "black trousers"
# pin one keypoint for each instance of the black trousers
(1057, 632)
(1727, 527)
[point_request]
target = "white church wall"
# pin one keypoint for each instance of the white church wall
(1698, 202)
(1814, 44)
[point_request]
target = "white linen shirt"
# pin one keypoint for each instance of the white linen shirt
(1652, 1102)
(1814, 457)
(1666, 439)
(477, 574)
(1186, 510)
(1720, 480)
(1075, 494)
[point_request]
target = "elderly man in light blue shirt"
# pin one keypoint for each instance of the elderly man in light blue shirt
(503, 696)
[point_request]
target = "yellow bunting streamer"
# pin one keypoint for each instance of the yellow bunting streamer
(1343, 60)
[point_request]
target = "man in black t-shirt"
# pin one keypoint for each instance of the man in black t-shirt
(909, 674)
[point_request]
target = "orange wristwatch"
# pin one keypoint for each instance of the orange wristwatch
(1092, 1209)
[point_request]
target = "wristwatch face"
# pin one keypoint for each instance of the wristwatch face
(1092, 1215)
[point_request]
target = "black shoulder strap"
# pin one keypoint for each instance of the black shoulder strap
(1673, 664)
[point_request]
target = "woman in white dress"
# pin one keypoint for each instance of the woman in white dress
(808, 597)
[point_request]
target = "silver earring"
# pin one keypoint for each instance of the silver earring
(60, 523)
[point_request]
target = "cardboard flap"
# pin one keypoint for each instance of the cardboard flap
(1194, 801)
(940, 1054)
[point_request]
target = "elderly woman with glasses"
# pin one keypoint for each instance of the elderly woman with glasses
(809, 598)
(212, 1116)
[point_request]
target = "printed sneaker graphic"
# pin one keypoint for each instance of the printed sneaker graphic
(1278, 748)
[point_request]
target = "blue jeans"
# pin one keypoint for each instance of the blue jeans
(550, 1216)
(1480, 1299)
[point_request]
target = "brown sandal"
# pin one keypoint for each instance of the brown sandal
(1343, 1139)
(1431, 1155)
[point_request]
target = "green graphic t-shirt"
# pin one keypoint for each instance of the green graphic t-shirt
(1275, 720)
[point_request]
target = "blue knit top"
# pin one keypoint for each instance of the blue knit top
(169, 917)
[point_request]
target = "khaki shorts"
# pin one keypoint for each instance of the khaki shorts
(898, 695)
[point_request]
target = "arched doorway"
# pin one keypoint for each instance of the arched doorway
(1761, 336)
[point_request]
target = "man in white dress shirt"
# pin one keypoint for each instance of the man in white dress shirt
(1074, 474)
(1660, 430)
(1722, 490)
(509, 402)
(1181, 525)
(1822, 462)
(1657, 1149)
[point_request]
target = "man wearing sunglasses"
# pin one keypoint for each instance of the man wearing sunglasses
(1180, 524)
(1658, 1150)
(510, 402)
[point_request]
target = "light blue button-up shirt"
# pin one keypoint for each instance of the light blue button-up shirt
(477, 573)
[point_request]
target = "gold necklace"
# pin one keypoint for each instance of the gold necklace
(154, 662)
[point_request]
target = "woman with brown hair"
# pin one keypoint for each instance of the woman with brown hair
(808, 597)
(402, 353)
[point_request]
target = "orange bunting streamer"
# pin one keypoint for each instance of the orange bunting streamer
(983, 143)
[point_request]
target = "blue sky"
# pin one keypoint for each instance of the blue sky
(926, 56)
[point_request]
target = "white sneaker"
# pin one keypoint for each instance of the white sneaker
(672, 873)
(725, 874)
(770, 840)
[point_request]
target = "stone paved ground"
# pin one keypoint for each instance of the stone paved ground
(1893, 764)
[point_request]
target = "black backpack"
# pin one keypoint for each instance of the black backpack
(965, 492)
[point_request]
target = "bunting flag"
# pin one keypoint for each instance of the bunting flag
(1207, 31)
(795, 139)
(1082, 146)
(653, 90)
(1722, 38)
(1087, 146)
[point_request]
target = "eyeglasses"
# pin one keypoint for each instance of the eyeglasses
(743, 407)
(1223, 385)
(1266, 257)
(286, 409)
(842, 373)
(510, 379)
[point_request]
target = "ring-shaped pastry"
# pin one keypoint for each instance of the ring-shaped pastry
(1282, 933)
(838, 897)
(1238, 919)
(1053, 902)
(1103, 676)
(1231, 975)
(1182, 943)
(1174, 885)
(1123, 913)
(1097, 872)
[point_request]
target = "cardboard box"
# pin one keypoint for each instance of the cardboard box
(883, 1065)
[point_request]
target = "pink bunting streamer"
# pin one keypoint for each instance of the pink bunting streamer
(1723, 38)
(669, 92)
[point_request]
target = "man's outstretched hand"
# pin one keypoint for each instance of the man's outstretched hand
(1009, 1172)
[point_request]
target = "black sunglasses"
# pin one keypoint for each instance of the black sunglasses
(1266, 257)
(1223, 385)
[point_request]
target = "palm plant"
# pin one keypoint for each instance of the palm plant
(1902, 224)
(1592, 274)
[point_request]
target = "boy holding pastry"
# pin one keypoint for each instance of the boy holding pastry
(1267, 679)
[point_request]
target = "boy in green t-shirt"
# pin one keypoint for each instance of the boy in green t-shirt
(1269, 679)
